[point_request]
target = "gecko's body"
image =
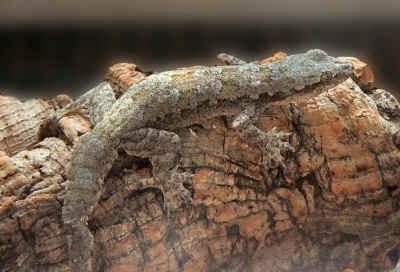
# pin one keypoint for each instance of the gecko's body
(169, 93)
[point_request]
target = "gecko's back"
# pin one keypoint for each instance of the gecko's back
(172, 91)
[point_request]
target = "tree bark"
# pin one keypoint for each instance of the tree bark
(335, 206)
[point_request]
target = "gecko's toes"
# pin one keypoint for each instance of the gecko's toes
(276, 149)
(176, 195)
(84, 219)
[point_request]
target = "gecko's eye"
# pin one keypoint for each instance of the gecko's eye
(393, 256)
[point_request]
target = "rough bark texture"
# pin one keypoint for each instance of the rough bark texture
(333, 207)
(20, 121)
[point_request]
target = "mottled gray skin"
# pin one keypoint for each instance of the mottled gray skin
(227, 59)
(162, 148)
(164, 94)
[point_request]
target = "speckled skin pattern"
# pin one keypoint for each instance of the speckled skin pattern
(169, 93)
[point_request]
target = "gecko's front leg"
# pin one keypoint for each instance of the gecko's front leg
(162, 149)
(273, 144)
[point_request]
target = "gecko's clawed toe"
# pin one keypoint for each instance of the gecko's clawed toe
(276, 148)
(176, 195)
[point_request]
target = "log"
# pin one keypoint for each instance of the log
(334, 207)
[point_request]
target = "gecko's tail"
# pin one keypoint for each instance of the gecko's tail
(91, 161)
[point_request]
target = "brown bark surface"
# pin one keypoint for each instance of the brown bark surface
(334, 207)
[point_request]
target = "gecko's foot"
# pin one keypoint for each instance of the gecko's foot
(175, 193)
(273, 144)
(275, 148)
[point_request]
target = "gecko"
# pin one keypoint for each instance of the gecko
(171, 95)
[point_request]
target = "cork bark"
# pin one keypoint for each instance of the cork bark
(334, 207)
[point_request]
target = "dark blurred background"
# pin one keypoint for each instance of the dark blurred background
(49, 47)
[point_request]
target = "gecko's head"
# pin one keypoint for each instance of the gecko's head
(316, 54)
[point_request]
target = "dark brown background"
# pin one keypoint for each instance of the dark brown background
(47, 47)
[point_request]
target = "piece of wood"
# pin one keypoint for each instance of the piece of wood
(362, 71)
(277, 56)
(333, 208)
(20, 122)
(121, 76)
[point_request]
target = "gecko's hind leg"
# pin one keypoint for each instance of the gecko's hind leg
(162, 149)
